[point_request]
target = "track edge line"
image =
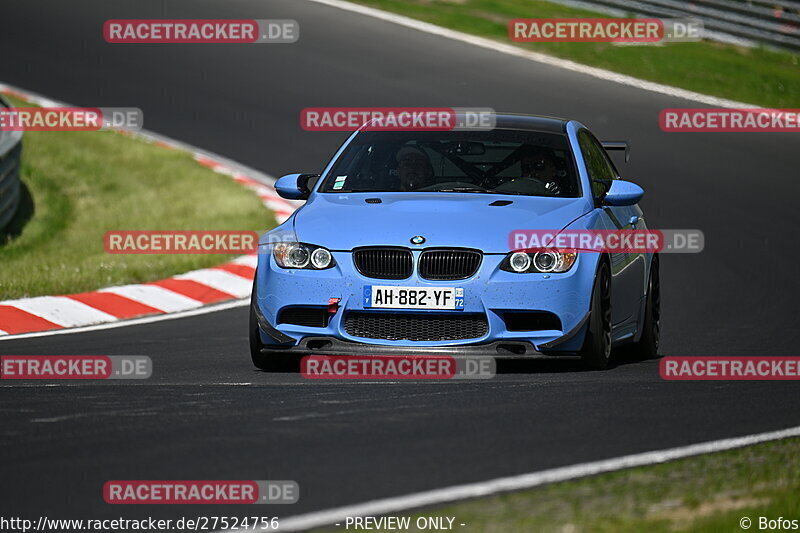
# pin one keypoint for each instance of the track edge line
(524, 481)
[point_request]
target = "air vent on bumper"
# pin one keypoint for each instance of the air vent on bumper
(312, 317)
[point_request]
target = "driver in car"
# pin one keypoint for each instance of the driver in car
(413, 168)
(541, 165)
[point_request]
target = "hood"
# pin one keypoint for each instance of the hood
(345, 221)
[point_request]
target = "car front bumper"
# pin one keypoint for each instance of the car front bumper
(491, 293)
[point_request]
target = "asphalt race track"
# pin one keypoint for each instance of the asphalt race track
(208, 414)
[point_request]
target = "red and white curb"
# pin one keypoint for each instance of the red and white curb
(185, 292)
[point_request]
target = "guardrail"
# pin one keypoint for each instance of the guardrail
(772, 22)
(10, 163)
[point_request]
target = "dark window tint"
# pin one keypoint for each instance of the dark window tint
(601, 170)
(489, 162)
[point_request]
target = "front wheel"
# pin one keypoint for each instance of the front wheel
(647, 346)
(269, 362)
(596, 351)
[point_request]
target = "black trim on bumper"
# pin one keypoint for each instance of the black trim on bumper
(268, 329)
(323, 345)
(335, 346)
(564, 338)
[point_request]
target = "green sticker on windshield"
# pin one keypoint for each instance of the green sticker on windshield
(339, 182)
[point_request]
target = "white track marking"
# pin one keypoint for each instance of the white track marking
(565, 64)
(247, 260)
(221, 280)
(133, 322)
(522, 481)
(275, 205)
(155, 296)
(62, 311)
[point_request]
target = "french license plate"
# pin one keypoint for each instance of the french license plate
(386, 297)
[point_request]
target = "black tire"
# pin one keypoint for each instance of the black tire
(647, 346)
(269, 362)
(596, 351)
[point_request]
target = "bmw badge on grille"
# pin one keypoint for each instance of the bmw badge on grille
(417, 239)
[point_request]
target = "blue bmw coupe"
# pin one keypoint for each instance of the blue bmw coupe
(402, 247)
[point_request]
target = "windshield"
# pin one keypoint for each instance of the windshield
(490, 162)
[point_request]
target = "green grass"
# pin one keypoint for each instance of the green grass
(83, 184)
(708, 493)
(753, 75)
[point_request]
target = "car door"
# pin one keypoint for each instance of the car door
(627, 269)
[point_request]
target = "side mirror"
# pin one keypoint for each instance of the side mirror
(294, 186)
(623, 193)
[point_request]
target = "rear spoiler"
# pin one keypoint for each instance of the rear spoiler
(618, 145)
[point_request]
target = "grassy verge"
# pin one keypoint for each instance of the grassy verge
(708, 493)
(758, 76)
(81, 184)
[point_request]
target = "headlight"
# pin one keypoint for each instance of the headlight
(519, 262)
(298, 255)
(545, 261)
(321, 258)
